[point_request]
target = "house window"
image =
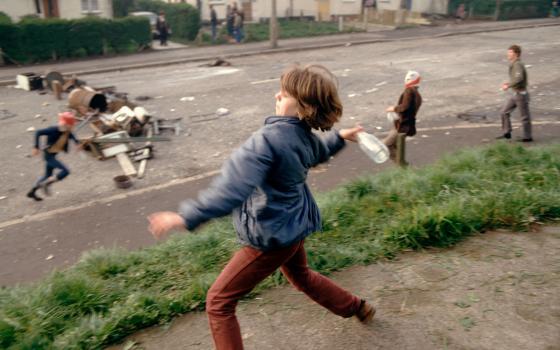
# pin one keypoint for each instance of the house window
(90, 6)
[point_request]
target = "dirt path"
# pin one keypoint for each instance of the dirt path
(498, 290)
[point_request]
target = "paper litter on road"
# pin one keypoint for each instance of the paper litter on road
(381, 84)
(187, 98)
(222, 111)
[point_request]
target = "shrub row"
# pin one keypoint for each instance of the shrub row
(183, 18)
(36, 40)
(509, 9)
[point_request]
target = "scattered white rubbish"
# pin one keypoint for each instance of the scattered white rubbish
(528, 65)
(46, 104)
(3, 197)
(37, 116)
(30, 129)
(371, 90)
(424, 136)
(19, 146)
(392, 116)
(172, 110)
(447, 133)
(347, 70)
(158, 97)
(55, 240)
(187, 98)
(381, 84)
(49, 257)
(352, 118)
(379, 127)
(264, 81)
(222, 111)
(352, 95)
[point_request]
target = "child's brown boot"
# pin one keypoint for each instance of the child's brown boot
(365, 312)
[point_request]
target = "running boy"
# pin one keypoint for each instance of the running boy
(263, 183)
(57, 141)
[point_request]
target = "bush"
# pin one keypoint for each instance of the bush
(4, 18)
(183, 19)
(510, 9)
(121, 8)
(35, 40)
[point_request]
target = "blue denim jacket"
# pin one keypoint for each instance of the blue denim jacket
(263, 184)
(52, 133)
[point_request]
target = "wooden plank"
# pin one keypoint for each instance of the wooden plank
(126, 164)
(114, 150)
(131, 139)
(143, 162)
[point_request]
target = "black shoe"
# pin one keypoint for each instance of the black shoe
(504, 136)
(365, 313)
(526, 139)
(33, 195)
(45, 186)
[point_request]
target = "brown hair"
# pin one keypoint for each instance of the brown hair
(516, 49)
(315, 89)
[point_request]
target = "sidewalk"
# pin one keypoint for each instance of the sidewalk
(207, 53)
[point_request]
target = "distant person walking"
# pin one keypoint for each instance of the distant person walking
(405, 111)
(213, 22)
(555, 8)
(238, 26)
(229, 21)
(518, 83)
(57, 141)
(461, 13)
(163, 28)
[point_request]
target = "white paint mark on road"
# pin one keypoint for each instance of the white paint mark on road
(264, 81)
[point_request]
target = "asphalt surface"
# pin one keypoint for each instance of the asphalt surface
(55, 237)
(39, 245)
(158, 58)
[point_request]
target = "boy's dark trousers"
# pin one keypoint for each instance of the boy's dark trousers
(521, 101)
(250, 266)
(51, 163)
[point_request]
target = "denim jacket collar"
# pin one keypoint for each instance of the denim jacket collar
(284, 119)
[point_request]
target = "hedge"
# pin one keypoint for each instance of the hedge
(35, 40)
(509, 9)
(183, 19)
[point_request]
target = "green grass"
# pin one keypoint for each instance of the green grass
(287, 29)
(111, 293)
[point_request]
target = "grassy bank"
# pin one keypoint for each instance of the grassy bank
(110, 294)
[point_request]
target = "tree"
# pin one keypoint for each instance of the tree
(273, 26)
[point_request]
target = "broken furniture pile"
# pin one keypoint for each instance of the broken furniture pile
(121, 129)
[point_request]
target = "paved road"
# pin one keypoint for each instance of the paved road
(54, 235)
(158, 58)
(33, 248)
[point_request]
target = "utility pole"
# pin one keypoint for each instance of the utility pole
(273, 26)
(497, 12)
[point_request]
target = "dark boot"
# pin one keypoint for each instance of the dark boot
(33, 195)
(45, 186)
(365, 312)
(505, 136)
